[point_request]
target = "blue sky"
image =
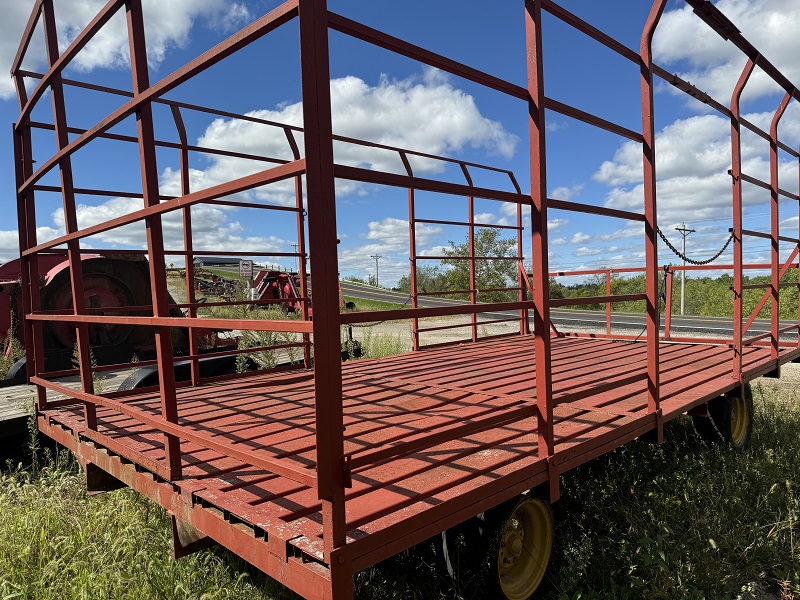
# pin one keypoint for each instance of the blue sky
(399, 102)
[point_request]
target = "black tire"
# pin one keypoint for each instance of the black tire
(706, 429)
(730, 419)
(734, 417)
(456, 555)
(502, 554)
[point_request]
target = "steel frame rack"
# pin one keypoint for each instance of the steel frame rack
(351, 447)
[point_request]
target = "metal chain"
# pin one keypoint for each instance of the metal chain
(686, 258)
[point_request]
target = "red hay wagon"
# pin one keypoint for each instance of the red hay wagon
(315, 472)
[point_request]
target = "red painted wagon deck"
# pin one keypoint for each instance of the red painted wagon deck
(416, 407)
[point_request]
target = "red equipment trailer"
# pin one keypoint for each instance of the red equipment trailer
(375, 456)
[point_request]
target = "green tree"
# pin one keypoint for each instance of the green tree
(489, 274)
(429, 279)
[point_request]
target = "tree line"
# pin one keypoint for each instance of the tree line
(705, 296)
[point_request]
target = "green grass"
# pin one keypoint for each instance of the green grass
(58, 543)
(364, 305)
(380, 345)
(681, 520)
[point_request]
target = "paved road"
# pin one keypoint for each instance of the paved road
(685, 326)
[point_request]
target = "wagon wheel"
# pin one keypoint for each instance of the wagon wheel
(730, 419)
(517, 537)
(521, 547)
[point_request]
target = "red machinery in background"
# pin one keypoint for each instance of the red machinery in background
(114, 284)
(280, 286)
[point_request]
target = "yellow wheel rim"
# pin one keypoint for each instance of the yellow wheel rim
(524, 549)
(740, 418)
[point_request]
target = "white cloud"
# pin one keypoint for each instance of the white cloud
(358, 261)
(212, 228)
(9, 241)
(392, 113)
(585, 251)
(713, 64)
(393, 233)
(566, 193)
(556, 224)
(167, 25)
(693, 156)
(580, 238)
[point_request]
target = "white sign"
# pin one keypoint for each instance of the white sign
(245, 268)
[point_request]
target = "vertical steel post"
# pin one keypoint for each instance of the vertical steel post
(650, 214)
(302, 259)
(70, 217)
(29, 265)
(315, 78)
(194, 345)
(524, 325)
(155, 236)
(412, 253)
(775, 276)
(539, 259)
(473, 277)
(668, 305)
(736, 175)
(608, 304)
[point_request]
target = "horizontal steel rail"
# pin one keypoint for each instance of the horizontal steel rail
(257, 29)
(437, 311)
(597, 299)
(594, 210)
(430, 185)
(243, 324)
(248, 182)
(273, 465)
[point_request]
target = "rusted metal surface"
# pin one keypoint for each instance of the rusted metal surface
(315, 471)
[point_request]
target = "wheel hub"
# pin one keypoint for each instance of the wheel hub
(513, 541)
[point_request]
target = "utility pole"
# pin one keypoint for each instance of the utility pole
(295, 246)
(684, 232)
(376, 257)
